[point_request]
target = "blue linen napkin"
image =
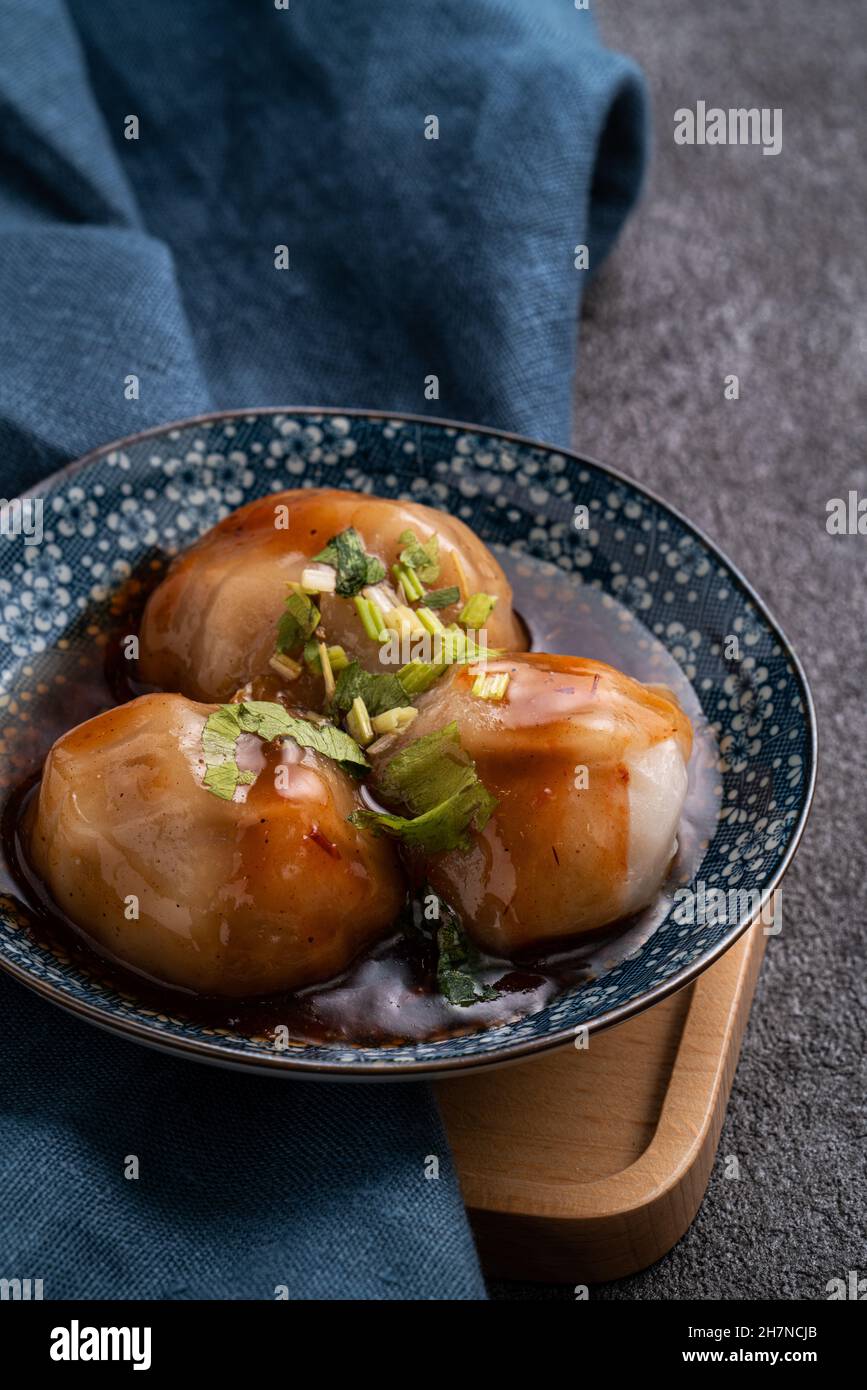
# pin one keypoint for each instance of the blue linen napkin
(262, 126)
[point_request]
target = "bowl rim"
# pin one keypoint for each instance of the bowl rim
(284, 1063)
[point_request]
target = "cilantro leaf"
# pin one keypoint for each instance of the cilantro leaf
(299, 619)
(429, 770)
(379, 692)
(457, 959)
(437, 783)
(355, 569)
(418, 676)
(268, 721)
(220, 734)
(330, 741)
(263, 717)
(223, 778)
(442, 598)
(421, 557)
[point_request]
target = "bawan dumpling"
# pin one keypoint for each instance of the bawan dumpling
(221, 862)
(569, 811)
(210, 627)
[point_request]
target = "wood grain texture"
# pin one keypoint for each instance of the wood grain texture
(589, 1165)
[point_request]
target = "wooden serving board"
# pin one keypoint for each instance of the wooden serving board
(583, 1166)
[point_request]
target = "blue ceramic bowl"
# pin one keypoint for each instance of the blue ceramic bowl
(156, 492)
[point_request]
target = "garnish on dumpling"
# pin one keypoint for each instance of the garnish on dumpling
(214, 848)
(554, 807)
(291, 588)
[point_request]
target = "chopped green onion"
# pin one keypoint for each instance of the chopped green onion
(394, 720)
(319, 579)
(491, 687)
(327, 673)
(418, 676)
(336, 656)
(403, 621)
(458, 646)
(379, 622)
(477, 610)
(358, 723)
(382, 595)
(454, 645)
(371, 617)
(443, 598)
(429, 620)
(285, 666)
(409, 581)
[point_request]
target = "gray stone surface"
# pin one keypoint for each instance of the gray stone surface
(739, 262)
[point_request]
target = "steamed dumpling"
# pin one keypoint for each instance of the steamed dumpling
(210, 626)
(271, 890)
(589, 770)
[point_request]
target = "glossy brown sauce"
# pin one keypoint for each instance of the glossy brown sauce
(388, 994)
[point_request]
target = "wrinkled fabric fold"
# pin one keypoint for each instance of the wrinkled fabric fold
(410, 261)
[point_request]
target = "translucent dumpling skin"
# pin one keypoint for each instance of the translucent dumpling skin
(589, 769)
(210, 627)
(270, 891)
